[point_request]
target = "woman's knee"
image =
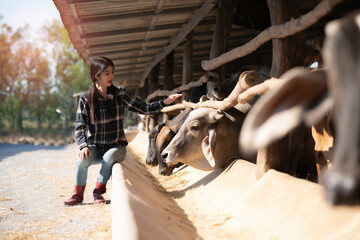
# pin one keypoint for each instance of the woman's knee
(115, 155)
(82, 163)
(86, 162)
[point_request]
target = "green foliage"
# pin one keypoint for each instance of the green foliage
(39, 87)
(71, 75)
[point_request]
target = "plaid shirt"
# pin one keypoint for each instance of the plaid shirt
(108, 131)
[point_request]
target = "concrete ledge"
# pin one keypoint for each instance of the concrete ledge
(141, 208)
(123, 222)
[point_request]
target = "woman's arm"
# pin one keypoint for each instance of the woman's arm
(82, 123)
(136, 105)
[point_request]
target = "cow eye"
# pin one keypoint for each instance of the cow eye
(195, 128)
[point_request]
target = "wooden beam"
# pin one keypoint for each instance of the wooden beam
(122, 51)
(279, 31)
(161, 93)
(130, 30)
(131, 57)
(134, 15)
(124, 43)
(134, 63)
(118, 44)
(129, 69)
(80, 30)
(81, 1)
(129, 76)
(195, 20)
(139, 30)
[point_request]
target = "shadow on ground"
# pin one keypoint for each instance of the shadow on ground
(9, 149)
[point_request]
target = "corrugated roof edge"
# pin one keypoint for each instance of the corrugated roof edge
(68, 20)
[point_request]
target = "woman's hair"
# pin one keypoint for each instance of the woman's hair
(97, 66)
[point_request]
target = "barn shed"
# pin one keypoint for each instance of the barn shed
(161, 44)
(175, 46)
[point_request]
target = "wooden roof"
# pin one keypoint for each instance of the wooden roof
(139, 34)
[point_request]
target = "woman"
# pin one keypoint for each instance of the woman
(99, 127)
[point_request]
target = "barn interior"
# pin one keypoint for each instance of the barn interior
(140, 35)
(163, 44)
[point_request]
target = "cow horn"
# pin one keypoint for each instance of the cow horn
(216, 115)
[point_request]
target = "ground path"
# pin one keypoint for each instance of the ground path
(190, 204)
(35, 180)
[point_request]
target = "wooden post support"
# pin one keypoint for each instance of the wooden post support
(153, 86)
(169, 72)
(287, 52)
(168, 77)
(224, 17)
(154, 79)
(187, 64)
(145, 89)
(272, 157)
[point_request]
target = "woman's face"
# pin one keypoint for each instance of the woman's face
(106, 77)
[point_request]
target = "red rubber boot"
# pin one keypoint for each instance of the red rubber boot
(98, 191)
(77, 197)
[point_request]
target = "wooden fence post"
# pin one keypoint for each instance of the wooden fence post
(187, 64)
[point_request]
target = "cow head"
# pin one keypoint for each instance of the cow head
(341, 55)
(195, 142)
(151, 158)
(164, 137)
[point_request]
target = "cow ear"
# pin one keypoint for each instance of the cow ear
(281, 110)
(208, 146)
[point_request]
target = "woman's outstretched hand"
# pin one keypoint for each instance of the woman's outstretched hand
(170, 99)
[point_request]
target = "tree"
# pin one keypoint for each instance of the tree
(72, 75)
(11, 60)
(25, 75)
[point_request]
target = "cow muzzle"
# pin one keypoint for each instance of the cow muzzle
(167, 158)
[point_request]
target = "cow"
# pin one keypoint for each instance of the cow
(329, 101)
(164, 137)
(207, 140)
(342, 56)
(159, 137)
(151, 157)
(162, 140)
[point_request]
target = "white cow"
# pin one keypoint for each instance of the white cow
(207, 140)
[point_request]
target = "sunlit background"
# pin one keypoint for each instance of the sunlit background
(18, 13)
(39, 72)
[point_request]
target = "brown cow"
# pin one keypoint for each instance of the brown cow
(151, 157)
(159, 138)
(162, 140)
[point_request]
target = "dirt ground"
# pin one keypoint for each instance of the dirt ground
(35, 181)
(231, 204)
(190, 204)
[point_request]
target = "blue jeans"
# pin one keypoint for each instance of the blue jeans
(113, 155)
